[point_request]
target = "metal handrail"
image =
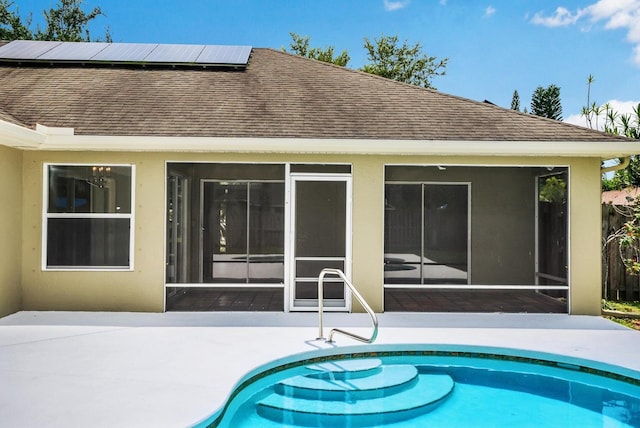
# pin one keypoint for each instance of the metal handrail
(374, 319)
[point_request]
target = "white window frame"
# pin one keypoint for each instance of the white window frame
(46, 216)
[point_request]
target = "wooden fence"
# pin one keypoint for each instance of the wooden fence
(617, 284)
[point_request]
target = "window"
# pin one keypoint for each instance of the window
(88, 213)
(426, 233)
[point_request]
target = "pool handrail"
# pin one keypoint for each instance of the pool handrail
(359, 298)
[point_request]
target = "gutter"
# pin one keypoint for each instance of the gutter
(624, 162)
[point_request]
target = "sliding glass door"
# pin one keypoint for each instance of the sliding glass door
(426, 233)
(243, 232)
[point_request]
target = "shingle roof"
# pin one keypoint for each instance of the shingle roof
(8, 118)
(277, 95)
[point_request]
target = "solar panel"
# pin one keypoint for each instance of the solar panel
(213, 54)
(79, 51)
(168, 54)
(113, 53)
(125, 52)
(26, 49)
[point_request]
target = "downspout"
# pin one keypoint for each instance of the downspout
(624, 162)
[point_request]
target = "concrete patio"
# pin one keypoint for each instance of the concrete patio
(72, 369)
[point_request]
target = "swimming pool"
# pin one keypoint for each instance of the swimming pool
(414, 386)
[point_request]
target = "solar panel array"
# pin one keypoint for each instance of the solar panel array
(128, 53)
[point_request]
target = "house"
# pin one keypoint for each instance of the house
(141, 177)
(622, 197)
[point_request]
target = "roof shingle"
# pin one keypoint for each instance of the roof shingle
(277, 95)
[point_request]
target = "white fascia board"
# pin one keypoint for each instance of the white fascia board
(603, 150)
(54, 130)
(19, 137)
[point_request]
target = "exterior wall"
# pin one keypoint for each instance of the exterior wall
(368, 231)
(585, 252)
(139, 290)
(143, 288)
(10, 230)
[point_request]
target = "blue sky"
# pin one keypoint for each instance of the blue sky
(494, 47)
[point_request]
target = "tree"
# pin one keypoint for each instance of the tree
(554, 191)
(627, 125)
(545, 102)
(66, 22)
(628, 236)
(515, 101)
(11, 26)
(402, 63)
(300, 46)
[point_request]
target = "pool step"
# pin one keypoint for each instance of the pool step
(386, 381)
(346, 369)
(382, 393)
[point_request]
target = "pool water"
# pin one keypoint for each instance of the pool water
(438, 391)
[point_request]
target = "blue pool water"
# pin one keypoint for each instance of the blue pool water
(395, 388)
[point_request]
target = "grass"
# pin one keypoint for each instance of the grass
(627, 307)
(633, 307)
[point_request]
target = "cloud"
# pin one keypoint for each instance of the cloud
(391, 5)
(561, 18)
(616, 14)
(621, 107)
(490, 10)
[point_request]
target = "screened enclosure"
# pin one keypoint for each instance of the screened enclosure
(484, 239)
(456, 238)
(225, 228)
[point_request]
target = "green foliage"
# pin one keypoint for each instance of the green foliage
(627, 125)
(515, 101)
(621, 306)
(554, 191)
(300, 46)
(66, 22)
(403, 63)
(611, 184)
(11, 26)
(545, 102)
(629, 241)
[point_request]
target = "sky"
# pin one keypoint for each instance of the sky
(494, 47)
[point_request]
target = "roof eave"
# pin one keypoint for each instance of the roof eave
(19, 137)
(52, 139)
(603, 149)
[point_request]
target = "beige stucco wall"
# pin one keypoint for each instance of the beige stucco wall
(10, 230)
(585, 231)
(139, 290)
(143, 288)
